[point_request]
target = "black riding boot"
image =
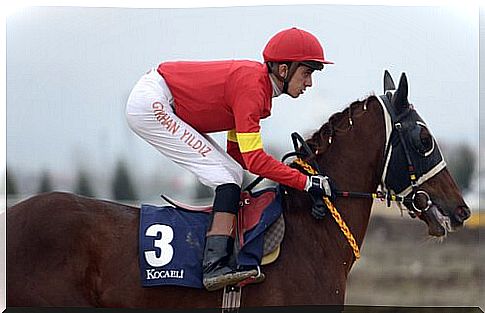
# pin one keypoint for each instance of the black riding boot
(217, 270)
(218, 265)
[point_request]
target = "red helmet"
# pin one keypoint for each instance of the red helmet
(294, 45)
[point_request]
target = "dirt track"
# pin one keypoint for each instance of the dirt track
(402, 266)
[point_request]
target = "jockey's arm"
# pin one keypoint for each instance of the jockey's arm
(256, 160)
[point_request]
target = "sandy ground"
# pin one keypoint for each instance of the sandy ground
(401, 265)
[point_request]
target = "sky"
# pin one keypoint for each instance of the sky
(70, 71)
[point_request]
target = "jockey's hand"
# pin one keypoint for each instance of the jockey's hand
(319, 186)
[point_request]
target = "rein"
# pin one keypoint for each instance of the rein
(303, 151)
(410, 199)
(313, 169)
(335, 214)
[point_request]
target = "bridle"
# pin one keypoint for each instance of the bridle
(417, 197)
(396, 127)
(306, 162)
(416, 192)
(413, 201)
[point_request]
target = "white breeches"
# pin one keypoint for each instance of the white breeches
(150, 115)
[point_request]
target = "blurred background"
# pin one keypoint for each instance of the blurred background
(70, 71)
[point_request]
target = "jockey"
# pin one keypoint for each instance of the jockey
(174, 107)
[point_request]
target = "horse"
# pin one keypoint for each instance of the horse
(72, 251)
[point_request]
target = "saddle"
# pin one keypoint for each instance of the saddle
(172, 238)
(252, 207)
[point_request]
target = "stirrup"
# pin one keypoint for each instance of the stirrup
(233, 278)
(259, 278)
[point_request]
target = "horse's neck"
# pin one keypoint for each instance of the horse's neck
(355, 157)
(354, 161)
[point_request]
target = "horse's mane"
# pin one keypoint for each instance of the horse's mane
(319, 141)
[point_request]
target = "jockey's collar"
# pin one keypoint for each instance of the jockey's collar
(276, 90)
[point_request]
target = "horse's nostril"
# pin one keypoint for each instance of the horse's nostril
(462, 213)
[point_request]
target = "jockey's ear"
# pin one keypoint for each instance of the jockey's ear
(400, 98)
(283, 70)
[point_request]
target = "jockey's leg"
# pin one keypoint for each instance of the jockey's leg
(219, 246)
(150, 115)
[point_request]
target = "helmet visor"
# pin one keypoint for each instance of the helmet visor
(314, 65)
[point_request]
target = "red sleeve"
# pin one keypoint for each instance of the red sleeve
(248, 104)
(262, 164)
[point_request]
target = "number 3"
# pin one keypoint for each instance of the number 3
(163, 244)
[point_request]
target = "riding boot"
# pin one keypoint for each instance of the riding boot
(217, 273)
(219, 266)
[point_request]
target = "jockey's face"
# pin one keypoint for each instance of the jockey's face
(300, 81)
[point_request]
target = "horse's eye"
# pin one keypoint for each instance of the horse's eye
(426, 139)
(424, 143)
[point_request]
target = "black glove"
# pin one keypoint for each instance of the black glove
(319, 186)
(320, 183)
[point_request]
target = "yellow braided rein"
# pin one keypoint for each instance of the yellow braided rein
(336, 215)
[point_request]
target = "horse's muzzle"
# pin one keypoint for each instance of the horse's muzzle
(461, 214)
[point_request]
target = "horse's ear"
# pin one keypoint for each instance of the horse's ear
(388, 82)
(388, 85)
(400, 98)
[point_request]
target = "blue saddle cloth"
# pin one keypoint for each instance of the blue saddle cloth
(172, 240)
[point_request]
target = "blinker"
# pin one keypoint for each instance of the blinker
(411, 168)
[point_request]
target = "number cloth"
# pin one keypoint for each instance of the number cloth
(172, 239)
(171, 246)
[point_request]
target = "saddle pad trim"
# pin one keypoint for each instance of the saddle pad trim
(178, 204)
(271, 257)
